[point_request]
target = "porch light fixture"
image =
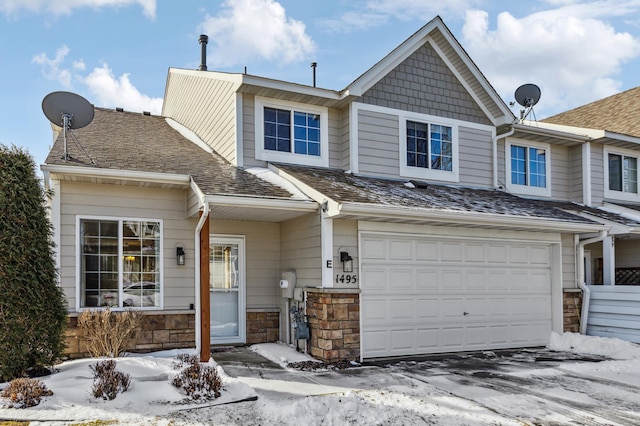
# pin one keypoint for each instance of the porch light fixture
(347, 262)
(180, 255)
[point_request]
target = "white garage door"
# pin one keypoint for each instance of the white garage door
(425, 295)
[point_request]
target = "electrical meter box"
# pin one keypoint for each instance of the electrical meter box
(288, 284)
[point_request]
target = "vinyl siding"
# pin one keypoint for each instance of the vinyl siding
(575, 154)
(378, 150)
(345, 238)
(568, 261)
(301, 249)
(345, 151)
(423, 83)
(476, 157)
(335, 138)
(81, 199)
(597, 174)
(627, 253)
(262, 249)
(560, 173)
(206, 106)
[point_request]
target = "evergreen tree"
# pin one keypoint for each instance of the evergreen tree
(33, 311)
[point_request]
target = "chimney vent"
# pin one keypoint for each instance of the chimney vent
(203, 40)
(314, 65)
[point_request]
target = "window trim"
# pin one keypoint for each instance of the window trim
(119, 219)
(290, 157)
(527, 189)
(428, 173)
(619, 195)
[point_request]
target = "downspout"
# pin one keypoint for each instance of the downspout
(203, 218)
(495, 153)
(586, 293)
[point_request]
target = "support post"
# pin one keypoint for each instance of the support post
(609, 261)
(205, 304)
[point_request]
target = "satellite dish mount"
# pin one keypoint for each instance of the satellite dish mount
(527, 95)
(68, 111)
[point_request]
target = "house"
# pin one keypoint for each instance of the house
(409, 213)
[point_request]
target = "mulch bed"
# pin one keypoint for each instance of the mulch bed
(319, 365)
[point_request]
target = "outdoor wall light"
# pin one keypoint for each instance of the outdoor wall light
(347, 262)
(180, 255)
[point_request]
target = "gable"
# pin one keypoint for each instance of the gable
(423, 83)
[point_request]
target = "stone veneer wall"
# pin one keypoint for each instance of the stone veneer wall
(334, 323)
(571, 309)
(263, 326)
(159, 331)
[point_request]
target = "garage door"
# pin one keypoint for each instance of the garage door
(425, 295)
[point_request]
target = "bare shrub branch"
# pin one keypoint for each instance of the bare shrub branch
(107, 333)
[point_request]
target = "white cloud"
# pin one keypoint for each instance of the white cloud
(66, 7)
(571, 52)
(110, 91)
(51, 68)
(246, 30)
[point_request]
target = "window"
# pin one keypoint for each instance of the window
(527, 168)
(291, 133)
(119, 263)
(623, 173)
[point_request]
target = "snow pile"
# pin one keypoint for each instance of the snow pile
(280, 353)
(592, 345)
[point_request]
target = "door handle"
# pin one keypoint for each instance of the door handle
(465, 313)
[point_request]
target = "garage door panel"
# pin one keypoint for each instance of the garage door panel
(416, 290)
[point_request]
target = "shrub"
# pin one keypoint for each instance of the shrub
(107, 381)
(108, 334)
(33, 312)
(25, 392)
(196, 380)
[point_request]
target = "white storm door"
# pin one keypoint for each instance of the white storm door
(227, 288)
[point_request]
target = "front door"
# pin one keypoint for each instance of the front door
(227, 287)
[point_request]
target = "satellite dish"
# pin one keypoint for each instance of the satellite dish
(69, 111)
(528, 95)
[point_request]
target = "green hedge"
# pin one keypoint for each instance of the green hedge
(33, 311)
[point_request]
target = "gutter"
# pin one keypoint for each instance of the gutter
(199, 226)
(494, 146)
(586, 297)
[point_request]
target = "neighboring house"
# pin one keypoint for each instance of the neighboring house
(411, 211)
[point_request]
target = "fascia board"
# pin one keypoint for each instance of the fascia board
(470, 218)
(131, 175)
(621, 137)
(578, 132)
(579, 135)
(214, 75)
(265, 203)
(251, 80)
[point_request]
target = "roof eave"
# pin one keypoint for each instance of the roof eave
(261, 202)
(127, 175)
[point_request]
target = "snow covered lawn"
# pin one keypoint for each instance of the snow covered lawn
(513, 390)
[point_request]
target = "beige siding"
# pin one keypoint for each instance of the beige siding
(262, 262)
(628, 253)
(301, 249)
(378, 138)
(597, 174)
(568, 261)
(575, 154)
(476, 157)
(345, 151)
(423, 83)
(80, 199)
(345, 238)
(560, 172)
(206, 106)
(335, 138)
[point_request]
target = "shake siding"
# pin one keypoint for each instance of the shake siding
(301, 249)
(475, 162)
(597, 174)
(262, 249)
(117, 201)
(345, 238)
(424, 84)
(568, 261)
(560, 173)
(575, 154)
(207, 107)
(378, 139)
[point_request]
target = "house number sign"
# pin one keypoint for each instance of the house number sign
(349, 279)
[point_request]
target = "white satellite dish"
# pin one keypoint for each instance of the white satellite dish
(68, 111)
(527, 95)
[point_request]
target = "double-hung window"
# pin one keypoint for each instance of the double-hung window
(428, 150)
(291, 133)
(622, 172)
(119, 263)
(528, 168)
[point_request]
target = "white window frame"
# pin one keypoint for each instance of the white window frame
(119, 219)
(527, 189)
(290, 157)
(620, 195)
(427, 173)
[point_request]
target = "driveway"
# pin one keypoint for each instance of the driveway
(524, 387)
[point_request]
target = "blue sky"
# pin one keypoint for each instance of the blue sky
(116, 53)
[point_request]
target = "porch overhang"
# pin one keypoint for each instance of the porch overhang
(225, 207)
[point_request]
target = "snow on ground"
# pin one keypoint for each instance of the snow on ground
(383, 396)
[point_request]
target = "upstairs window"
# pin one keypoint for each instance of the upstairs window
(528, 168)
(291, 133)
(623, 173)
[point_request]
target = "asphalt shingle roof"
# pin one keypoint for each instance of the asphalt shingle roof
(348, 188)
(617, 113)
(138, 142)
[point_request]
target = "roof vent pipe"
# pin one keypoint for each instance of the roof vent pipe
(203, 40)
(314, 65)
